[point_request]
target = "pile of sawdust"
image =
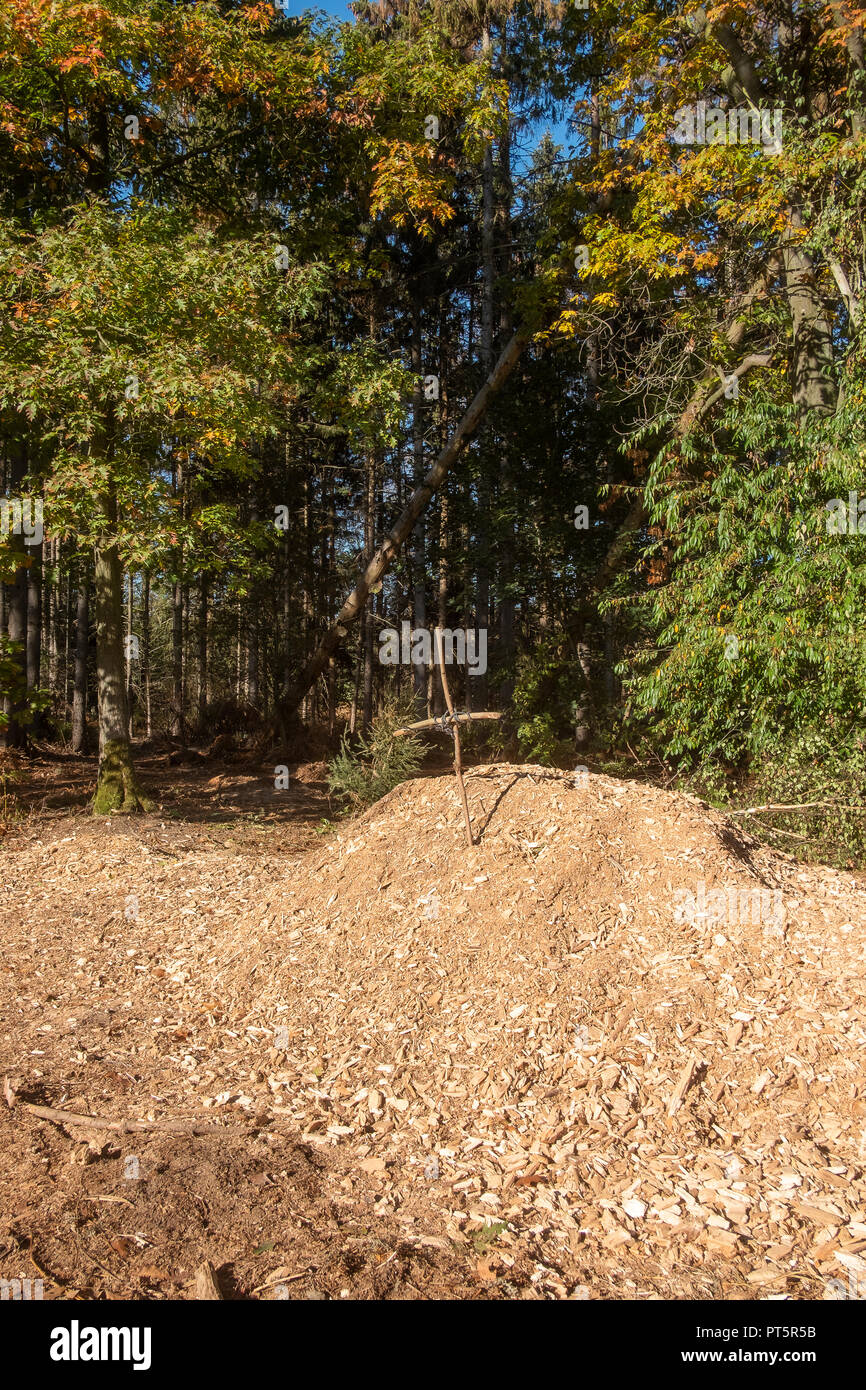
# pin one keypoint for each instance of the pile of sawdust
(616, 1014)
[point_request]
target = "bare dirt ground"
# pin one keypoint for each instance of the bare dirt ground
(543, 1068)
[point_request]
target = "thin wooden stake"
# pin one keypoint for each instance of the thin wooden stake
(206, 1286)
(455, 733)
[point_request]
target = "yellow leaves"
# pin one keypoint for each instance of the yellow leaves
(406, 189)
(221, 437)
(569, 324)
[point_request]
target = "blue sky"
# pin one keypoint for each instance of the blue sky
(335, 7)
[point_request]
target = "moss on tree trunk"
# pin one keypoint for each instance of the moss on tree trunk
(117, 787)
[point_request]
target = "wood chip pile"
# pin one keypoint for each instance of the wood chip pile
(617, 1036)
(617, 1019)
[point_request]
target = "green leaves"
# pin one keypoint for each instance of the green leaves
(752, 559)
(143, 340)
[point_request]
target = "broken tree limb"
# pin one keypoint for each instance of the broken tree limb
(800, 806)
(444, 724)
(403, 527)
(72, 1117)
(455, 732)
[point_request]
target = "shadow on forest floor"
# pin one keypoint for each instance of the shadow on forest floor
(230, 791)
(235, 792)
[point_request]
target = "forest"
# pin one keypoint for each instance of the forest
(536, 321)
(387, 381)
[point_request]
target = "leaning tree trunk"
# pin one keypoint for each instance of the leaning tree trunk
(402, 528)
(117, 788)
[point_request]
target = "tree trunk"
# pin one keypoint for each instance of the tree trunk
(419, 559)
(506, 546)
(178, 722)
(178, 726)
(812, 358)
(389, 550)
(129, 650)
(117, 788)
(34, 618)
(53, 604)
(82, 647)
(356, 690)
(203, 598)
(145, 654)
(369, 543)
(476, 686)
(252, 681)
(68, 659)
(14, 702)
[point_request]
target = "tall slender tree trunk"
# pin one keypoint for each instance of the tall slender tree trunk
(117, 787)
(82, 648)
(203, 600)
(129, 652)
(356, 689)
(419, 559)
(34, 618)
(68, 658)
(369, 634)
(438, 693)
(178, 722)
(13, 734)
(145, 654)
(506, 547)
(239, 652)
(53, 606)
(309, 606)
(178, 725)
(253, 676)
(476, 686)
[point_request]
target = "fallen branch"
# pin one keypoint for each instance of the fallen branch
(444, 723)
(72, 1117)
(789, 834)
(803, 806)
